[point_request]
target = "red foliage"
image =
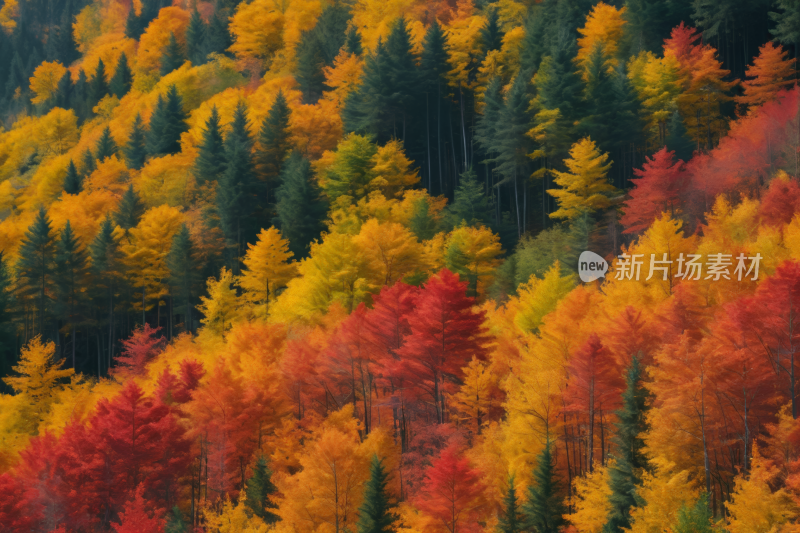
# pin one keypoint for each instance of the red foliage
(140, 348)
(660, 184)
(781, 202)
(681, 43)
(139, 516)
(172, 389)
(15, 515)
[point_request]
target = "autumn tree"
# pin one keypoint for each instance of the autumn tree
(657, 189)
(770, 72)
(273, 145)
(585, 187)
(259, 490)
(376, 514)
(167, 123)
(138, 515)
(543, 510)
(266, 269)
(300, 208)
(35, 268)
(142, 346)
(44, 82)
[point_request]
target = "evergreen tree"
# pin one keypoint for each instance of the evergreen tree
(73, 182)
(175, 522)
(422, 223)
(89, 163)
(173, 56)
(301, 208)
(491, 33)
(106, 267)
(434, 67)
(318, 48)
(376, 514)
(135, 150)
(678, 139)
(598, 96)
(696, 518)
(353, 42)
(648, 22)
(106, 147)
(8, 340)
(184, 274)
(133, 25)
(511, 519)
(210, 162)
(98, 86)
(273, 144)
(78, 99)
(626, 474)
(470, 205)
(35, 268)
(129, 211)
(123, 78)
(195, 39)
(167, 124)
(787, 23)
(534, 46)
(544, 509)
(489, 120)
(258, 490)
(66, 48)
(63, 95)
(218, 37)
(70, 275)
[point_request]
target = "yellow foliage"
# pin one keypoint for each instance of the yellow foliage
(344, 75)
(477, 395)
(463, 38)
(474, 254)
(87, 26)
(604, 27)
(8, 13)
(592, 504)
(390, 251)
(44, 82)
(393, 172)
(170, 19)
(665, 492)
(233, 519)
(168, 179)
(257, 30)
(111, 175)
(584, 187)
(316, 128)
(267, 269)
(85, 211)
(538, 297)
(655, 80)
(108, 47)
(374, 18)
(223, 306)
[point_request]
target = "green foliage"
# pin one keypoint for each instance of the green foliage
(175, 522)
(218, 37)
(195, 39)
(135, 150)
(71, 270)
(7, 305)
(98, 86)
(319, 47)
(678, 139)
(471, 204)
(89, 163)
(353, 42)
(422, 223)
(123, 78)
(258, 490)
(210, 162)
(184, 274)
(167, 123)
(787, 22)
(73, 182)
(129, 211)
(376, 514)
(173, 56)
(695, 519)
(300, 208)
(491, 33)
(106, 147)
(273, 144)
(544, 508)
(351, 172)
(35, 267)
(511, 519)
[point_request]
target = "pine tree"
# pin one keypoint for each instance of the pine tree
(184, 272)
(434, 67)
(470, 205)
(544, 509)
(319, 47)
(678, 139)
(511, 519)
(176, 522)
(8, 340)
(787, 23)
(129, 211)
(66, 47)
(63, 94)
(167, 123)
(133, 25)
(135, 150)
(422, 223)
(210, 162)
(696, 518)
(35, 267)
(89, 164)
(173, 56)
(98, 86)
(195, 39)
(79, 97)
(631, 461)
(353, 42)
(258, 490)
(376, 514)
(70, 275)
(106, 266)
(106, 147)
(73, 182)
(491, 33)
(534, 44)
(301, 208)
(273, 144)
(218, 37)
(123, 78)
(598, 96)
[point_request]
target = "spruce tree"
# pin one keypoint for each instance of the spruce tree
(35, 268)
(376, 514)
(696, 518)
(89, 163)
(135, 150)
(133, 25)
(677, 138)
(73, 182)
(70, 275)
(258, 490)
(184, 272)
(167, 123)
(787, 23)
(631, 462)
(353, 42)
(210, 162)
(491, 33)
(511, 519)
(310, 62)
(195, 39)
(106, 266)
(98, 86)
(434, 67)
(66, 48)
(470, 205)
(422, 223)
(544, 509)
(7, 306)
(301, 208)
(106, 147)
(123, 78)
(218, 37)
(173, 56)
(273, 144)
(129, 211)
(175, 522)
(79, 97)
(598, 96)
(534, 47)
(63, 95)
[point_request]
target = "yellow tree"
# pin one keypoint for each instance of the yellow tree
(257, 30)
(664, 492)
(604, 28)
(770, 72)
(473, 253)
(392, 169)
(39, 379)
(222, 307)
(233, 518)
(478, 395)
(592, 500)
(44, 82)
(656, 82)
(390, 250)
(267, 269)
(538, 297)
(170, 20)
(584, 187)
(344, 75)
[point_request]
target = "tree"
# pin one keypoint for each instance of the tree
(273, 144)
(585, 186)
(491, 33)
(8, 339)
(259, 489)
(657, 189)
(376, 514)
(106, 147)
(141, 347)
(696, 518)
(98, 86)
(770, 72)
(184, 272)
(35, 267)
(107, 265)
(470, 204)
(89, 163)
(139, 515)
(511, 519)
(123, 78)
(590, 501)
(167, 123)
(218, 37)
(452, 492)
(787, 23)
(129, 211)
(135, 150)
(445, 333)
(349, 171)
(300, 208)
(210, 162)
(544, 511)
(45, 81)
(221, 308)
(626, 472)
(472, 253)
(267, 269)
(603, 32)
(195, 37)
(71, 262)
(173, 56)
(73, 182)
(353, 42)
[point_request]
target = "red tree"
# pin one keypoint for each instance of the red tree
(658, 188)
(14, 514)
(144, 344)
(446, 332)
(139, 516)
(781, 201)
(452, 493)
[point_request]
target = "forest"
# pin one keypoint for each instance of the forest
(315, 266)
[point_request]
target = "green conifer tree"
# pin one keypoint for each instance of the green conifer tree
(491, 33)
(258, 490)
(677, 138)
(470, 205)
(218, 37)
(511, 519)
(376, 514)
(106, 147)
(173, 56)
(631, 462)
(210, 162)
(70, 275)
(544, 511)
(353, 42)
(98, 85)
(8, 341)
(73, 182)
(135, 150)
(184, 273)
(79, 97)
(787, 23)
(434, 67)
(89, 163)
(129, 211)
(35, 269)
(301, 208)
(273, 145)
(66, 48)
(175, 522)
(107, 269)
(422, 223)
(63, 95)
(133, 25)
(318, 48)
(123, 78)
(167, 123)
(195, 39)
(696, 518)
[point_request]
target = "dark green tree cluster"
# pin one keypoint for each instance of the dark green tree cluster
(318, 48)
